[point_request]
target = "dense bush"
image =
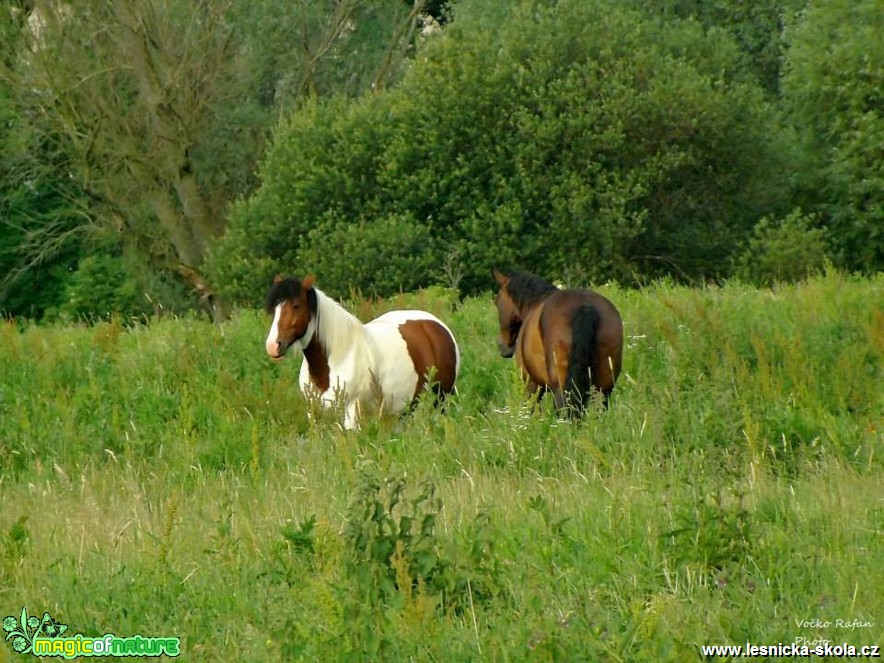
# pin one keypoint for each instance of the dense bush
(105, 284)
(834, 92)
(582, 137)
(321, 172)
(757, 27)
(397, 252)
(786, 250)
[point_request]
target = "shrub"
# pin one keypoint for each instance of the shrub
(581, 137)
(395, 556)
(786, 250)
(104, 285)
(833, 91)
(383, 256)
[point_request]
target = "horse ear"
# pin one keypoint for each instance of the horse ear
(499, 276)
(308, 282)
(277, 279)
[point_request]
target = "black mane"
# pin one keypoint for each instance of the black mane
(287, 289)
(526, 289)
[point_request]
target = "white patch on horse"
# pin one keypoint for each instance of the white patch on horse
(394, 368)
(370, 367)
(271, 343)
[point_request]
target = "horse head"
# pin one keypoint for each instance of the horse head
(508, 314)
(292, 303)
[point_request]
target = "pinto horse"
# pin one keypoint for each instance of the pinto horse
(381, 366)
(566, 341)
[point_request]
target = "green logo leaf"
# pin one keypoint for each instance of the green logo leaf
(22, 631)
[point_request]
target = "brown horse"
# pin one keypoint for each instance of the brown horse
(566, 341)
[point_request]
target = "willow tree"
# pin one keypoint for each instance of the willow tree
(162, 107)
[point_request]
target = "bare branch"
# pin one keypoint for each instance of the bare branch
(398, 44)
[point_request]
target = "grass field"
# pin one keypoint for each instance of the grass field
(164, 479)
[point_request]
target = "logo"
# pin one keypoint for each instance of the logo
(45, 637)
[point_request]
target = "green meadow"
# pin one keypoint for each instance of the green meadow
(167, 479)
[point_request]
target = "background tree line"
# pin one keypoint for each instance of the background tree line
(156, 153)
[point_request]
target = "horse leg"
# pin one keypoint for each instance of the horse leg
(568, 403)
(559, 397)
(534, 392)
(557, 371)
(351, 415)
(606, 395)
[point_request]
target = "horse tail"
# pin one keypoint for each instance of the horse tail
(584, 324)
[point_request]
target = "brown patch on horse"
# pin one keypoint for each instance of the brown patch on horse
(530, 351)
(556, 341)
(510, 321)
(293, 320)
(317, 364)
(431, 349)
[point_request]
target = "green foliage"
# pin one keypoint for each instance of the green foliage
(286, 54)
(320, 176)
(41, 230)
(757, 27)
(391, 552)
(609, 140)
(579, 137)
(56, 263)
(394, 555)
(154, 152)
(833, 94)
(104, 285)
(301, 538)
(293, 51)
(713, 533)
(13, 16)
(15, 540)
(787, 250)
(392, 253)
(101, 285)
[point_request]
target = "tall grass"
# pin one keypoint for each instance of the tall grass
(167, 480)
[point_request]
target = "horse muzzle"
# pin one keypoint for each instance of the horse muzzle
(507, 351)
(276, 350)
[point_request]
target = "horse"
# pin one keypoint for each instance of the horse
(381, 366)
(567, 341)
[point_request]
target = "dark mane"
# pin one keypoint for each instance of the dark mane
(287, 289)
(525, 288)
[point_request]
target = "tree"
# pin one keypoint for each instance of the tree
(41, 226)
(161, 108)
(40, 220)
(125, 86)
(834, 94)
